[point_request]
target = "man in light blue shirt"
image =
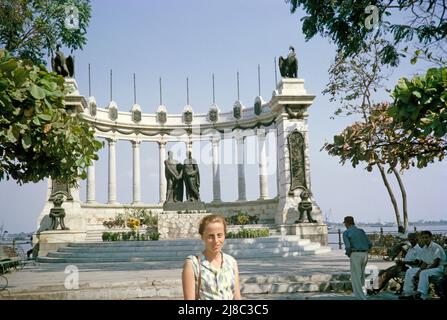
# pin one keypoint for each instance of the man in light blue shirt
(357, 246)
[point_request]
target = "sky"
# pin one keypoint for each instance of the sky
(175, 39)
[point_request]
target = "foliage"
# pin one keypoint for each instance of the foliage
(381, 141)
(382, 243)
(133, 218)
(38, 137)
(154, 236)
(249, 233)
(242, 218)
(346, 23)
(355, 79)
(420, 105)
(29, 27)
(129, 236)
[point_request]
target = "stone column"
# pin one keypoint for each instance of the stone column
(240, 168)
(162, 158)
(112, 171)
(136, 172)
(215, 141)
(91, 183)
(263, 183)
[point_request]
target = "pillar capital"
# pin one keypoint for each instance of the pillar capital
(261, 133)
(135, 143)
(215, 140)
(162, 143)
(111, 141)
(239, 137)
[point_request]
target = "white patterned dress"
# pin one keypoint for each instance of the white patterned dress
(215, 284)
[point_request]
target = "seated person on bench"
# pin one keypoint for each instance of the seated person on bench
(433, 260)
(411, 260)
(402, 246)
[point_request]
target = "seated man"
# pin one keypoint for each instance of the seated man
(402, 246)
(411, 260)
(433, 260)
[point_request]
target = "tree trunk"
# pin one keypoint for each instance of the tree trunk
(390, 192)
(404, 198)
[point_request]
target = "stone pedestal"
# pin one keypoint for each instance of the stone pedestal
(184, 207)
(52, 240)
(172, 225)
(315, 232)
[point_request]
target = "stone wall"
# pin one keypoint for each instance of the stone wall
(179, 225)
(265, 209)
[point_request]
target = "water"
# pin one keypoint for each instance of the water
(333, 233)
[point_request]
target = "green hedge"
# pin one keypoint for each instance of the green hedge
(129, 236)
(249, 233)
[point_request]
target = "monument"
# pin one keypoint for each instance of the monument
(292, 211)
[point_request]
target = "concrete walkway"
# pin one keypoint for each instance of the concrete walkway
(324, 276)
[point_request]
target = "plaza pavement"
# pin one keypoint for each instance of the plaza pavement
(315, 277)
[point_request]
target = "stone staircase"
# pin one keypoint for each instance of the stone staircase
(177, 250)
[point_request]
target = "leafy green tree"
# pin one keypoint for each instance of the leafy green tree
(28, 28)
(354, 80)
(420, 106)
(38, 137)
(349, 23)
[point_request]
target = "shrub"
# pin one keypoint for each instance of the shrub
(106, 236)
(249, 233)
(154, 236)
(242, 218)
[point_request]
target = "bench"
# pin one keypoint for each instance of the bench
(9, 259)
(433, 280)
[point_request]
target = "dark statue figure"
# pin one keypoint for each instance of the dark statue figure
(57, 213)
(191, 177)
(174, 186)
(62, 65)
(305, 206)
(289, 67)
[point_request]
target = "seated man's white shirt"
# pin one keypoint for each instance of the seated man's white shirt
(414, 253)
(431, 252)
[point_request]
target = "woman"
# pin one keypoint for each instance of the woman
(212, 274)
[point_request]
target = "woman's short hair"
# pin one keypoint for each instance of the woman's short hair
(210, 219)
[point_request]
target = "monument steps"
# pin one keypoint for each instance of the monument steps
(179, 249)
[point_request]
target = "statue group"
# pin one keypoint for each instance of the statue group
(177, 175)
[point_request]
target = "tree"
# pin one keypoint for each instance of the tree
(420, 107)
(354, 81)
(379, 142)
(28, 28)
(350, 23)
(38, 136)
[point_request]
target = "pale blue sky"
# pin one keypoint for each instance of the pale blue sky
(175, 39)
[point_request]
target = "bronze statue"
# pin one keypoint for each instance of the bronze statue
(305, 206)
(191, 177)
(57, 213)
(62, 65)
(173, 173)
(289, 67)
